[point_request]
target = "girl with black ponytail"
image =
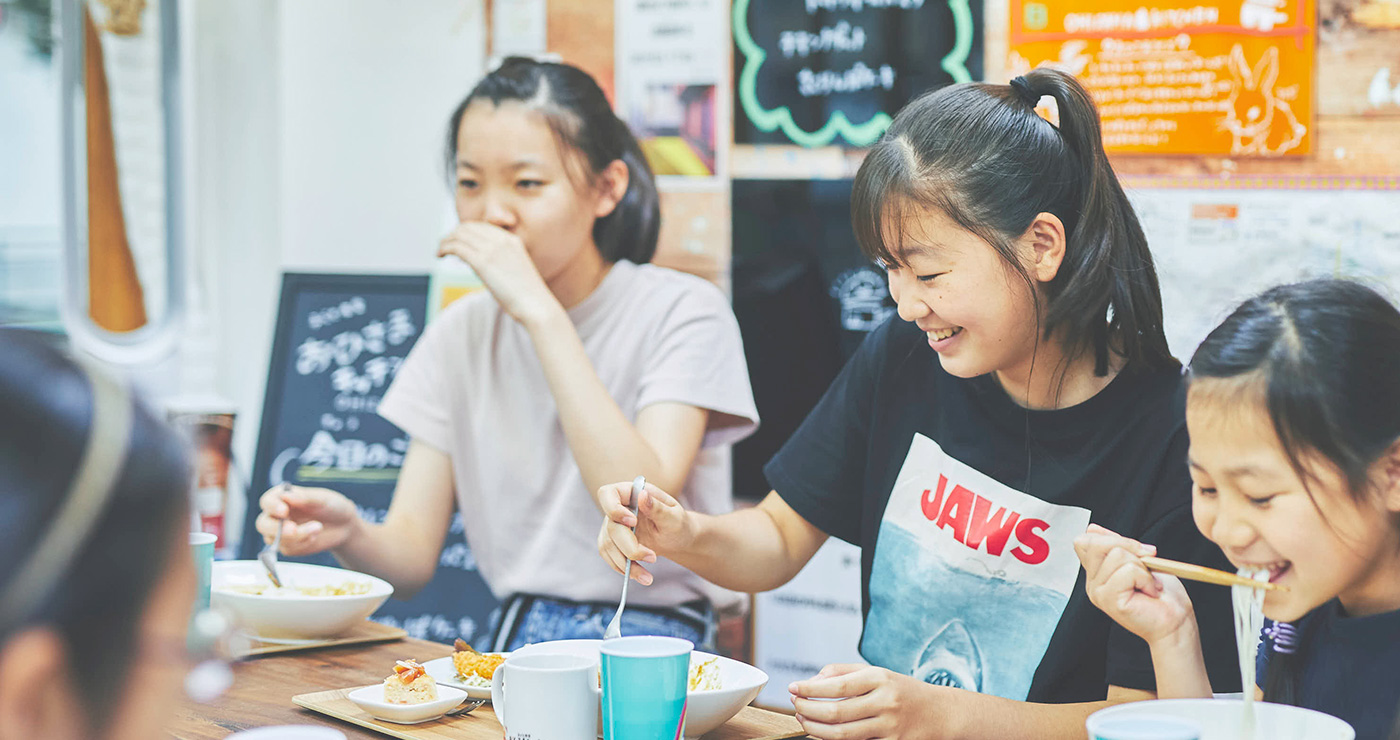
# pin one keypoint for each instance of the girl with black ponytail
(1294, 415)
(1024, 390)
(579, 364)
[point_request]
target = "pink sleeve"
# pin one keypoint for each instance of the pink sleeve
(418, 399)
(699, 360)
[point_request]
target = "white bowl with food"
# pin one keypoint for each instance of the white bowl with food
(315, 602)
(371, 700)
(719, 686)
(1215, 719)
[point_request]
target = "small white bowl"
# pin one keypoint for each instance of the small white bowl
(704, 710)
(293, 618)
(371, 699)
(1222, 719)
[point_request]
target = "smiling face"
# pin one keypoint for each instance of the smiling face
(1317, 540)
(978, 313)
(513, 173)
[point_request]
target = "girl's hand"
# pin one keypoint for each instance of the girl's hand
(1154, 606)
(499, 258)
(873, 703)
(312, 519)
(660, 525)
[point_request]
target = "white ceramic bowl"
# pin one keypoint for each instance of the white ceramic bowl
(293, 618)
(704, 710)
(1221, 719)
(371, 699)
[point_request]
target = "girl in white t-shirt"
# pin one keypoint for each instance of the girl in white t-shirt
(578, 365)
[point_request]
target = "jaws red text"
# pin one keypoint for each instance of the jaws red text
(973, 523)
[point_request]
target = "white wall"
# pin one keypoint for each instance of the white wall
(316, 142)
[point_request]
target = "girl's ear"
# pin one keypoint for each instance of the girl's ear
(1387, 473)
(35, 699)
(612, 185)
(1044, 244)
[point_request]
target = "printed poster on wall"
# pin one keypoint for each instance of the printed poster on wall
(670, 65)
(1215, 247)
(1214, 77)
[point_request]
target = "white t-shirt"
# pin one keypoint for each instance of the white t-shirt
(474, 388)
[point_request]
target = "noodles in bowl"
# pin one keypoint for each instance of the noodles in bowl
(315, 602)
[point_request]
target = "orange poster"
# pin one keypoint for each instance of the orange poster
(1224, 77)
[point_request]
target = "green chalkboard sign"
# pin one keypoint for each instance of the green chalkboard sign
(821, 72)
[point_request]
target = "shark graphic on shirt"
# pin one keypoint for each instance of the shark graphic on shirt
(970, 576)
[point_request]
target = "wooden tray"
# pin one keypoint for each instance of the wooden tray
(751, 723)
(365, 632)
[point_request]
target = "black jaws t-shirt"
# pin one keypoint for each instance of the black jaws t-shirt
(966, 505)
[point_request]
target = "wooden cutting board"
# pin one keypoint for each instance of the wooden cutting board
(751, 723)
(364, 632)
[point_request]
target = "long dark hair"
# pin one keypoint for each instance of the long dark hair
(582, 120)
(1326, 354)
(979, 153)
(96, 603)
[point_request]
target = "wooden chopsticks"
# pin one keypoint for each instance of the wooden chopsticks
(1206, 575)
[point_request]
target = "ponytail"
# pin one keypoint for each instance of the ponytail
(980, 154)
(579, 115)
(1111, 266)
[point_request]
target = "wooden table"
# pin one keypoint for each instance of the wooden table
(263, 689)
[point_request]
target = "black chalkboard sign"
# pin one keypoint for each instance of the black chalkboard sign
(819, 72)
(339, 342)
(795, 261)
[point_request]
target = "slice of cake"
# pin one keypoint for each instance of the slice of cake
(410, 684)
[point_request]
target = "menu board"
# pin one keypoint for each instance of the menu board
(819, 72)
(340, 340)
(1213, 77)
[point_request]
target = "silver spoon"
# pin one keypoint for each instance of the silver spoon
(615, 626)
(268, 556)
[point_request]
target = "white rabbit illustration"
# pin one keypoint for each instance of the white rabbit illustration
(1259, 122)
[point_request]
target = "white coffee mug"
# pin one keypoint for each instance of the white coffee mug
(547, 697)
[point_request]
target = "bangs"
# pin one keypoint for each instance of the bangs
(886, 186)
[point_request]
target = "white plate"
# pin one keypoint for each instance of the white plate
(371, 699)
(445, 673)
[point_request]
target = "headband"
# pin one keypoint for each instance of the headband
(104, 452)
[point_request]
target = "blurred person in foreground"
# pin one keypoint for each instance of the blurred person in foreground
(96, 578)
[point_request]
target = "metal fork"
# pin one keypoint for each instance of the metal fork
(465, 707)
(615, 626)
(268, 556)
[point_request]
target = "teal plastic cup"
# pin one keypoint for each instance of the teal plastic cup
(202, 545)
(644, 687)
